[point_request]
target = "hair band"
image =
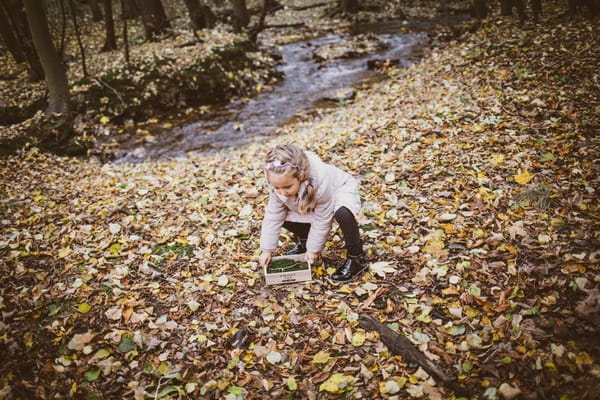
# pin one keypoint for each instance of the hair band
(278, 164)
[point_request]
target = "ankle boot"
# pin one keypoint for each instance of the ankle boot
(353, 266)
(299, 248)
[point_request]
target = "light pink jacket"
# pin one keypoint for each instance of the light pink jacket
(328, 181)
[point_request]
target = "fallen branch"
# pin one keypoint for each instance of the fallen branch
(400, 345)
(301, 8)
(100, 81)
(271, 26)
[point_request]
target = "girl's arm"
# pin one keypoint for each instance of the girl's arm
(275, 213)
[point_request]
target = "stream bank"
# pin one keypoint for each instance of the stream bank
(318, 73)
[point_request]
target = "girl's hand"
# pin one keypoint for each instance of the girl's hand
(264, 258)
(311, 258)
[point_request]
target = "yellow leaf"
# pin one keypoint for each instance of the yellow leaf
(358, 339)
(497, 159)
(584, 358)
(28, 339)
(65, 251)
(321, 357)
(163, 368)
(291, 384)
(104, 120)
(84, 308)
(337, 383)
(523, 178)
(344, 289)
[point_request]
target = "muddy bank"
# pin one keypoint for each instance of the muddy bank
(317, 73)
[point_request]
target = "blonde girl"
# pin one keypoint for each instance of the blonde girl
(305, 196)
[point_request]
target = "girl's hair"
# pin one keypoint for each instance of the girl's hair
(291, 160)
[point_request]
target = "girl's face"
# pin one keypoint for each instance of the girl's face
(285, 185)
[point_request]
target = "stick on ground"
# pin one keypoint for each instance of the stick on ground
(400, 345)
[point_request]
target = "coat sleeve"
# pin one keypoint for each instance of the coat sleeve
(322, 219)
(275, 213)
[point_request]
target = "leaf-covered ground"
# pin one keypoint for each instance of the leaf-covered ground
(479, 170)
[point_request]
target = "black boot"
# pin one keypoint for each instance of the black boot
(299, 248)
(353, 266)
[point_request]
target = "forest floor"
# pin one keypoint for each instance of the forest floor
(479, 176)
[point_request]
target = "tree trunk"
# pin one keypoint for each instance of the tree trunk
(125, 38)
(536, 7)
(201, 16)
(506, 8)
(241, 19)
(17, 23)
(520, 5)
(154, 18)
(130, 10)
(593, 7)
(78, 35)
(109, 22)
(349, 6)
(63, 30)
(9, 37)
(480, 9)
(59, 101)
(96, 12)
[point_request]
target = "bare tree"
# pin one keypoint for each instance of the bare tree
(59, 101)
(78, 35)
(111, 42)
(125, 38)
(241, 18)
(506, 7)
(15, 20)
(96, 12)
(480, 9)
(201, 16)
(154, 18)
(348, 6)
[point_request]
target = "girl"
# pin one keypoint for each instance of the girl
(305, 195)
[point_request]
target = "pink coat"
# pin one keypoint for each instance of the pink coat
(334, 189)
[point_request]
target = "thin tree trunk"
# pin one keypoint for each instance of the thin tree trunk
(125, 38)
(96, 12)
(111, 41)
(520, 5)
(59, 101)
(8, 35)
(349, 6)
(201, 16)
(18, 24)
(78, 35)
(154, 18)
(536, 7)
(480, 9)
(130, 9)
(506, 8)
(63, 31)
(241, 19)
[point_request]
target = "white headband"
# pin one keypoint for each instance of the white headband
(278, 164)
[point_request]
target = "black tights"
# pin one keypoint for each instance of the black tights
(348, 225)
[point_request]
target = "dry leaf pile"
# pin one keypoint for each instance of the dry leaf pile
(479, 171)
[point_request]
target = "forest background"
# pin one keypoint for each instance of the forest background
(479, 171)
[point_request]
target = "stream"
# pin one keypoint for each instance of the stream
(308, 82)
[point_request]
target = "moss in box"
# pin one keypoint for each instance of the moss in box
(286, 265)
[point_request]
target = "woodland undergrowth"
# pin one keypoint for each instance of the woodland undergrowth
(479, 178)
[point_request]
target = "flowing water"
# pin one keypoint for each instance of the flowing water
(306, 81)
